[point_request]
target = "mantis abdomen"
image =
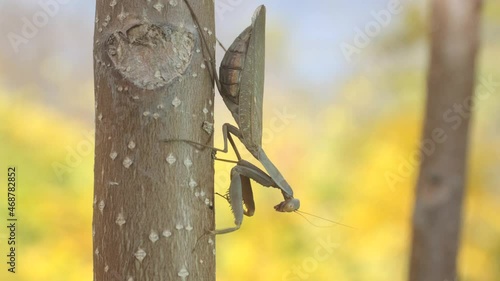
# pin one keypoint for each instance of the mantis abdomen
(232, 65)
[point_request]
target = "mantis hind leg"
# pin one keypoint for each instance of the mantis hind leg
(205, 48)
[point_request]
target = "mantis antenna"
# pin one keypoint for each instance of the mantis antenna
(302, 214)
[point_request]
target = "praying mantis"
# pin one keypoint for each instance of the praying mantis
(241, 86)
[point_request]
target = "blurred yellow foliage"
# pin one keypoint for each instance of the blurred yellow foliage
(54, 240)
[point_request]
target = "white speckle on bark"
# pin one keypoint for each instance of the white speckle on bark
(205, 28)
(135, 97)
(130, 278)
(179, 226)
(96, 251)
(106, 268)
(140, 254)
(183, 273)
(196, 194)
(176, 102)
(120, 219)
(213, 252)
(203, 66)
(192, 183)
(120, 88)
(122, 15)
(127, 162)
(173, 3)
(113, 183)
(106, 21)
(113, 155)
(166, 233)
(113, 3)
(209, 32)
(99, 117)
(101, 206)
(189, 227)
(208, 127)
(153, 236)
(156, 115)
(131, 144)
(188, 163)
(207, 201)
(205, 110)
(210, 241)
(146, 113)
(210, 102)
(93, 231)
(202, 193)
(171, 159)
(201, 261)
(198, 50)
(195, 74)
(160, 106)
(159, 6)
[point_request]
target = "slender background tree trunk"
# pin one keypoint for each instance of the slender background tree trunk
(440, 187)
(153, 199)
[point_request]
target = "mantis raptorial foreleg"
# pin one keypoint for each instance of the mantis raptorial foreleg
(240, 193)
(240, 190)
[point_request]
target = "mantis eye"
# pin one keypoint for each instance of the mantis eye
(289, 205)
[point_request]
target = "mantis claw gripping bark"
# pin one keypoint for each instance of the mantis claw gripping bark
(241, 86)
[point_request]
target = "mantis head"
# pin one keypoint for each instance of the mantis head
(289, 205)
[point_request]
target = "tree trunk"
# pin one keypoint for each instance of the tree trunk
(440, 186)
(153, 199)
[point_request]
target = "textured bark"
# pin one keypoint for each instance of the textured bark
(153, 199)
(440, 186)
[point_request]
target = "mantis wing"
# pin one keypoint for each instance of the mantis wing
(252, 83)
